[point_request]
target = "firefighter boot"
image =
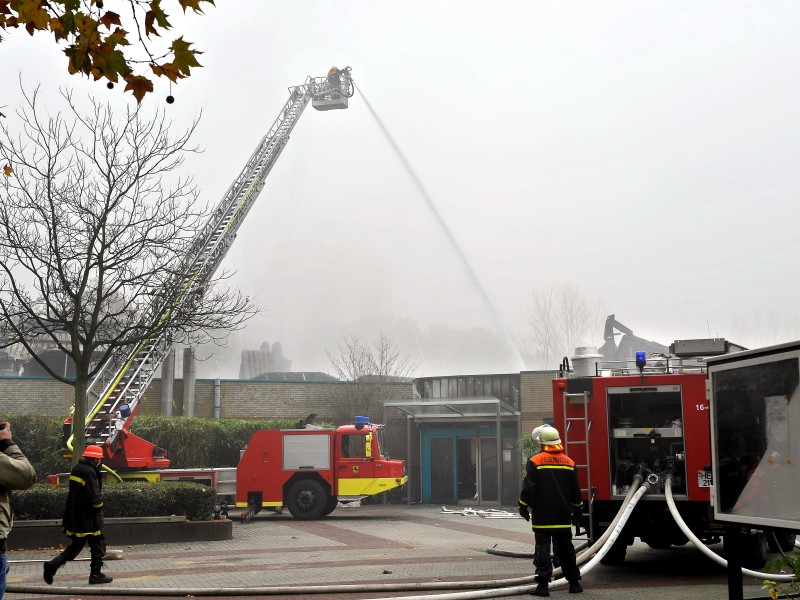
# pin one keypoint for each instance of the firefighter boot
(541, 589)
(575, 587)
(51, 566)
(97, 575)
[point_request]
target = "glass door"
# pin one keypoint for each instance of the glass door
(442, 473)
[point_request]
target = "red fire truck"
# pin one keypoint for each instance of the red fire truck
(308, 470)
(650, 417)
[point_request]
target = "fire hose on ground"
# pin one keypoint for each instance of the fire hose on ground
(622, 518)
(477, 589)
(673, 509)
(516, 585)
(589, 552)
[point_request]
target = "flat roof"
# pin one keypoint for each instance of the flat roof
(473, 407)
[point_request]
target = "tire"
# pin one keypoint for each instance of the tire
(307, 500)
(616, 554)
(333, 502)
(750, 548)
(780, 540)
(658, 544)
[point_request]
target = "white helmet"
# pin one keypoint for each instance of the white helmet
(537, 431)
(549, 436)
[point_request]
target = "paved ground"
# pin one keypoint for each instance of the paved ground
(362, 547)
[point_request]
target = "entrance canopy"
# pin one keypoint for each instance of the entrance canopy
(471, 409)
(442, 409)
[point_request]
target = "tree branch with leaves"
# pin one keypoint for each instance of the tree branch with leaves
(93, 239)
(98, 41)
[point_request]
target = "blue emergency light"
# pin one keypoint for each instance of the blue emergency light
(361, 421)
(641, 359)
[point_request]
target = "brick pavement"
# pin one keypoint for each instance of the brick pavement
(358, 547)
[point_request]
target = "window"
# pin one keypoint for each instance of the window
(353, 446)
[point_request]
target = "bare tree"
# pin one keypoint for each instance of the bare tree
(372, 374)
(92, 240)
(561, 318)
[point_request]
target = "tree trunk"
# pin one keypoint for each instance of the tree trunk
(79, 417)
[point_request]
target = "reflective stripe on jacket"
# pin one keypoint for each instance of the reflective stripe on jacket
(83, 514)
(551, 489)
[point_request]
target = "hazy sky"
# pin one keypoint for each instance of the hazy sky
(646, 152)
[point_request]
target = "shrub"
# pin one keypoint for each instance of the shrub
(191, 443)
(199, 442)
(39, 438)
(130, 499)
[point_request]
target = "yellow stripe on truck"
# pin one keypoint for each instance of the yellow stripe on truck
(369, 487)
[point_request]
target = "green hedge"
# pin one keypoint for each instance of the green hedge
(199, 442)
(190, 443)
(39, 438)
(130, 499)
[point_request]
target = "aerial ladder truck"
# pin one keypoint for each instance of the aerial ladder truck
(115, 392)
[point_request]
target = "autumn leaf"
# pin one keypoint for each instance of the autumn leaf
(193, 4)
(56, 27)
(7, 170)
(184, 57)
(95, 40)
(108, 63)
(110, 18)
(168, 70)
(118, 38)
(149, 19)
(31, 12)
(67, 28)
(79, 61)
(159, 15)
(138, 86)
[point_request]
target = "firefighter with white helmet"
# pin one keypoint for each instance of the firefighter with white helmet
(536, 447)
(550, 496)
(537, 442)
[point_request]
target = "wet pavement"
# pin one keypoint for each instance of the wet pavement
(357, 549)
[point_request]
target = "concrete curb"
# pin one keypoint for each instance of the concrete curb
(129, 531)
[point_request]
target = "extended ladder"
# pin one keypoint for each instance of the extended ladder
(115, 392)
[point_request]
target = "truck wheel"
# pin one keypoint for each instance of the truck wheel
(616, 554)
(751, 548)
(780, 540)
(307, 500)
(333, 502)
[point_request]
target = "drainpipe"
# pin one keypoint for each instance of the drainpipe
(217, 398)
(408, 459)
(167, 383)
(499, 439)
(189, 376)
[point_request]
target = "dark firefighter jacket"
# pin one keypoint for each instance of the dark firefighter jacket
(83, 514)
(551, 489)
